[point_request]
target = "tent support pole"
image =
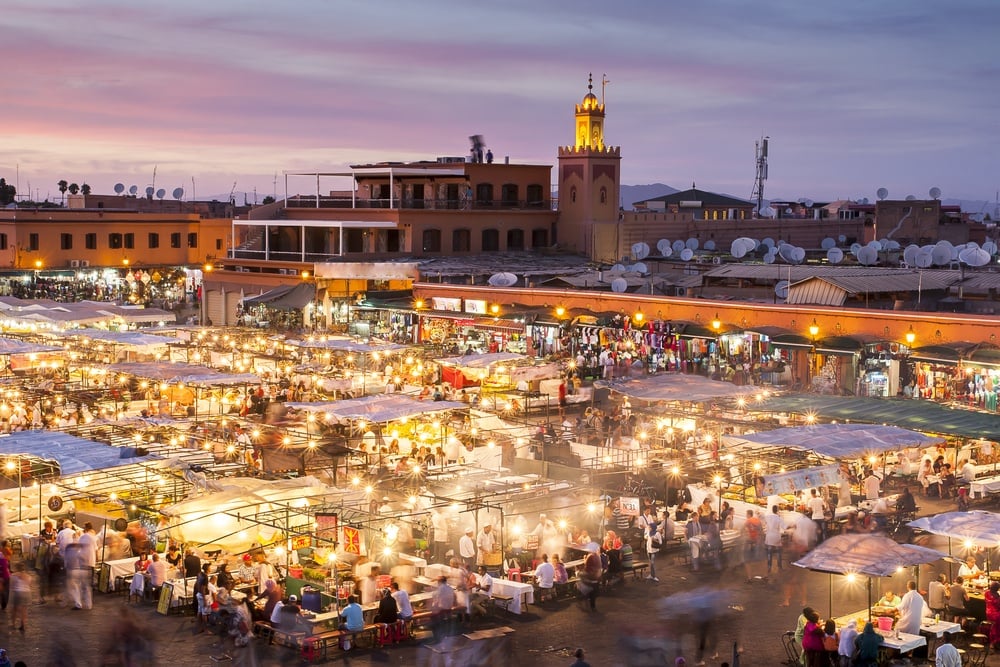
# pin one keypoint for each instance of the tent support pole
(869, 599)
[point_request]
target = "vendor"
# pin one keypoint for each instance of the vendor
(890, 599)
(969, 569)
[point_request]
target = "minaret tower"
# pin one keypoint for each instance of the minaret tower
(589, 180)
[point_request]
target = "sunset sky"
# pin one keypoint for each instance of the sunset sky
(854, 94)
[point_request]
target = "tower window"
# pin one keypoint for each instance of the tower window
(604, 195)
(572, 195)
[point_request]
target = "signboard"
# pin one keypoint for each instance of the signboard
(447, 304)
(797, 480)
(352, 540)
(629, 506)
(326, 529)
(300, 542)
(475, 306)
(531, 541)
(104, 578)
(166, 595)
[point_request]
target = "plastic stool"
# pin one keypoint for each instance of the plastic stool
(514, 574)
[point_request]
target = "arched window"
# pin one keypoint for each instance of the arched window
(535, 196)
(539, 238)
(461, 240)
(508, 195)
(572, 195)
(515, 239)
(604, 195)
(491, 240)
(431, 240)
(484, 194)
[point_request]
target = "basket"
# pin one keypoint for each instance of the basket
(493, 559)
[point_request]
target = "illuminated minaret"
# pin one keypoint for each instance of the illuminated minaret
(589, 179)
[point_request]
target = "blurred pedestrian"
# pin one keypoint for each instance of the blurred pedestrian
(20, 595)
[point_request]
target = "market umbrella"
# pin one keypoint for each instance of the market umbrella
(975, 528)
(865, 554)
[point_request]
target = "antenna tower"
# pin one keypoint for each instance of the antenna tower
(760, 148)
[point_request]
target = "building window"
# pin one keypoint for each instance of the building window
(572, 195)
(154, 240)
(218, 244)
(90, 241)
(461, 240)
(175, 240)
(515, 239)
(484, 194)
(508, 195)
(66, 241)
(491, 240)
(539, 238)
(32, 241)
(129, 240)
(431, 240)
(535, 198)
(604, 195)
(3, 241)
(114, 240)
(193, 240)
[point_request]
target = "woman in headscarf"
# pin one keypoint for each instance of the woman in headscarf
(867, 645)
(993, 613)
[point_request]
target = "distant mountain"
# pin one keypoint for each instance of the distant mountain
(633, 193)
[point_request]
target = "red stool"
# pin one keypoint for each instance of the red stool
(400, 631)
(514, 574)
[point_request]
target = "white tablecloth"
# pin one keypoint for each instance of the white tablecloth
(984, 486)
(522, 593)
(929, 627)
(905, 643)
(419, 564)
(120, 568)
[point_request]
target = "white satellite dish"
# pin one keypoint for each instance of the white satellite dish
(769, 258)
(663, 245)
(767, 212)
(787, 253)
(910, 198)
(910, 253)
(990, 247)
(941, 255)
(788, 211)
(678, 245)
(808, 203)
(119, 188)
(923, 259)
(767, 241)
(835, 255)
(149, 191)
(133, 189)
(798, 255)
(667, 252)
(877, 245)
(640, 250)
(617, 268)
(975, 257)
(868, 256)
(881, 193)
(178, 193)
(687, 254)
(161, 193)
(710, 245)
(935, 192)
(619, 285)
(855, 247)
(828, 243)
(891, 244)
(781, 289)
(691, 244)
(842, 238)
(502, 280)
(737, 249)
(640, 267)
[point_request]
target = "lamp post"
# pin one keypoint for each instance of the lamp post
(813, 332)
(718, 484)
(9, 467)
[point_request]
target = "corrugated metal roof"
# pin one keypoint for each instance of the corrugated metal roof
(864, 284)
(817, 291)
(795, 273)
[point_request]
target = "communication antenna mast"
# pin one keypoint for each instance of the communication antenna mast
(604, 85)
(760, 148)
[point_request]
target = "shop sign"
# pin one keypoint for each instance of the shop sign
(446, 304)
(475, 306)
(629, 506)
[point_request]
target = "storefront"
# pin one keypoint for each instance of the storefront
(465, 327)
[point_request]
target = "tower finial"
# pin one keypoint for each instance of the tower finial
(590, 82)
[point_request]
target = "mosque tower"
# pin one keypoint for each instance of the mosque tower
(589, 180)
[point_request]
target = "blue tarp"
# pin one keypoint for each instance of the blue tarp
(74, 455)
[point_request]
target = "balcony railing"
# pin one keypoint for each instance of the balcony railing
(460, 204)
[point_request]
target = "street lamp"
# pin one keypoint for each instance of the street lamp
(813, 332)
(9, 467)
(910, 336)
(718, 483)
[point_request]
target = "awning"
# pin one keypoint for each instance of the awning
(284, 297)
(836, 441)
(380, 408)
(950, 353)
(978, 526)
(673, 387)
(73, 454)
(865, 553)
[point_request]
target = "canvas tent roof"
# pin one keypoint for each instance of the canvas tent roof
(15, 346)
(74, 455)
(672, 387)
(284, 297)
(346, 345)
(378, 408)
(837, 440)
(482, 360)
(174, 373)
(980, 527)
(865, 553)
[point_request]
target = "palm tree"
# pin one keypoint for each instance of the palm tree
(73, 188)
(85, 189)
(63, 187)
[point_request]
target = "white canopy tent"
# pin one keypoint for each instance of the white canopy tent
(672, 387)
(836, 441)
(379, 408)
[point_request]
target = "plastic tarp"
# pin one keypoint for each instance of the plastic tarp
(481, 361)
(836, 441)
(347, 345)
(74, 455)
(202, 376)
(284, 297)
(132, 338)
(979, 527)
(379, 408)
(15, 346)
(673, 387)
(868, 554)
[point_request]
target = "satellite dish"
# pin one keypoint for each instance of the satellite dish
(178, 193)
(691, 244)
(640, 250)
(663, 245)
(864, 200)
(709, 245)
(502, 280)
(767, 212)
(161, 193)
(910, 198)
(787, 253)
(737, 249)
(149, 191)
(990, 247)
(617, 268)
(881, 193)
(890, 244)
(855, 247)
(877, 245)
(935, 192)
(769, 258)
(678, 245)
(808, 203)
(119, 188)
(923, 259)
(941, 255)
(781, 289)
(687, 254)
(974, 257)
(667, 252)
(868, 256)
(835, 255)
(768, 241)
(842, 238)
(619, 285)
(788, 211)
(640, 267)
(828, 243)
(133, 189)
(798, 255)
(910, 254)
